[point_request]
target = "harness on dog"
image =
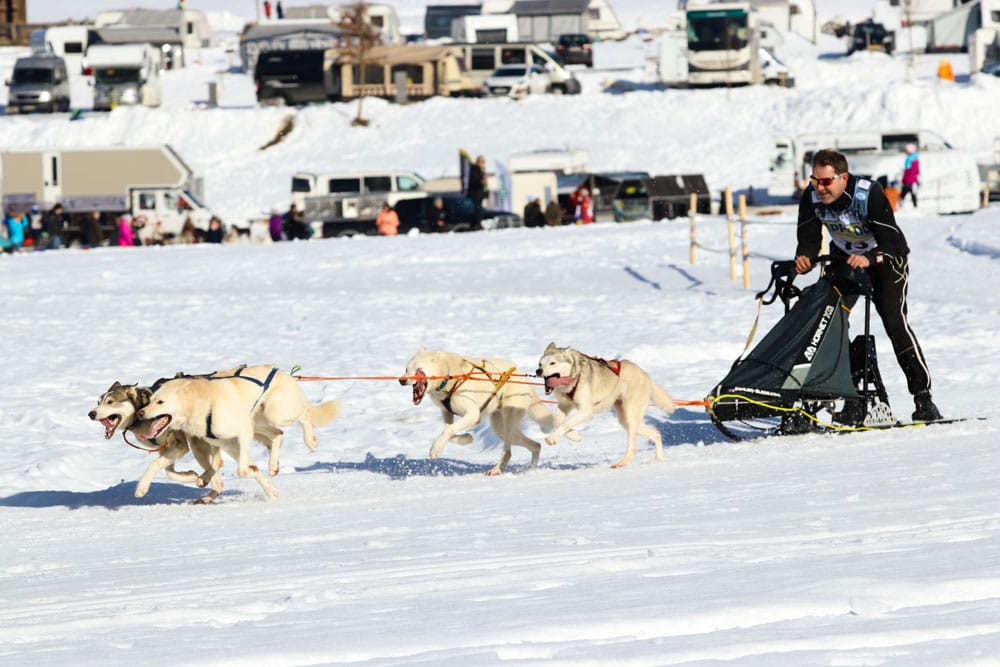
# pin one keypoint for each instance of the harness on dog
(263, 384)
(613, 365)
(497, 385)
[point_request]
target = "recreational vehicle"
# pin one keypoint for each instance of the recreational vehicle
(485, 28)
(312, 192)
(150, 181)
(722, 44)
(393, 72)
(949, 179)
(124, 74)
(791, 157)
(70, 43)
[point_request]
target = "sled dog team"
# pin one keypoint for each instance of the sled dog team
(226, 411)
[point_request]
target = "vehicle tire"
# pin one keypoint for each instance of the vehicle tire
(347, 233)
(558, 90)
(460, 228)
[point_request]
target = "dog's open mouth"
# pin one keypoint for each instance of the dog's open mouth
(156, 427)
(419, 387)
(110, 423)
(553, 381)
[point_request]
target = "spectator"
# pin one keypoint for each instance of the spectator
(387, 221)
(911, 175)
(17, 227)
(52, 228)
(295, 226)
(584, 207)
(156, 236)
(279, 11)
(215, 233)
(189, 233)
(126, 235)
(553, 214)
(437, 216)
(533, 216)
(267, 9)
(274, 225)
(36, 226)
(91, 234)
(477, 188)
(138, 225)
(5, 239)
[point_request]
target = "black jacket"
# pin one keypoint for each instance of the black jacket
(881, 221)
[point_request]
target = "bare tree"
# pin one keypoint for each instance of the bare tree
(360, 36)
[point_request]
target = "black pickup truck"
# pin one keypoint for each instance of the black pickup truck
(413, 214)
(871, 36)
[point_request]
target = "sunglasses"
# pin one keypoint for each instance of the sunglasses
(825, 182)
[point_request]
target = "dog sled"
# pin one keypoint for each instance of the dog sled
(805, 375)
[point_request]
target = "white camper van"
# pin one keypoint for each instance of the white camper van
(124, 74)
(791, 156)
(949, 179)
(70, 43)
(485, 28)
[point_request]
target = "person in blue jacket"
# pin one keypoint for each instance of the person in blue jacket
(17, 227)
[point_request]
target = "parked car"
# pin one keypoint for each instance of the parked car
(775, 72)
(294, 76)
(575, 49)
(517, 80)
(871, 36)
(38, 83)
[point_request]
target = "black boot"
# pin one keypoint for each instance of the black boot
(925, 410)
(852, 414)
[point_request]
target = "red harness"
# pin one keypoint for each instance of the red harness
(614, 365)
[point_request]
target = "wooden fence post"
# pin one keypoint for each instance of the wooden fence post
(692, 213)
(730, 223)
(743, 242)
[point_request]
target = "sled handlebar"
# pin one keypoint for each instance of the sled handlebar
(783, 273)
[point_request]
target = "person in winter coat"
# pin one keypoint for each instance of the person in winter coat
(584, 207)
(274, 225)
(553, 214)
(437, 216)
(91, 235)
(215, 233)
(477, 188)
(294, 224)
(866, 239)
(533, 216)
(911, 174)
(387, 221)
(17, 225)
(126, 236)
(52, 228)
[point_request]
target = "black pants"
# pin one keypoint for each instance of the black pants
(889, 285)
(908, 189)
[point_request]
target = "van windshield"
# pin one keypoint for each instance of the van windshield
(24, 75)
(113, 75)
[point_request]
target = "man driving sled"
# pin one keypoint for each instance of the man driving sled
(863, 229)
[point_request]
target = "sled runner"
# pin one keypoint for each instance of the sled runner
(805, 375)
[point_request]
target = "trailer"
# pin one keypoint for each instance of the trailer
(149, 181)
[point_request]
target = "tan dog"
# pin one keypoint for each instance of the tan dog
(116, 410)
(590, 386)
(229, 408)
(488, 391)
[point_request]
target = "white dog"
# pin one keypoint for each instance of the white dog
(470, 388)
(590, 385)
(116, 410)
(229, 408)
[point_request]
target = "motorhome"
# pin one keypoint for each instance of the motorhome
(536, 173)
(949, 179)
(124, 74)
(722, 44)
(70, 43)
(485, 28)
(481, 60)
(424, 71)
(791, 157)
(38, 83)
(150, 181)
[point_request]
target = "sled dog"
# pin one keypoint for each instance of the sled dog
(590, 385)
(464, 400)
(116, 411)
(228, 409)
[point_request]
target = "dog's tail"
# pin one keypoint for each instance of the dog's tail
(662, 399)
(542, 416)
(324, 413)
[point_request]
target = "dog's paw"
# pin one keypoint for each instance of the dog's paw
(462, 439)
(574, 436)
(140, 492)
(494, 471)
(551, 439)
(273, 471)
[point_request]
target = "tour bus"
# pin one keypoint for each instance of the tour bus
(722, 45)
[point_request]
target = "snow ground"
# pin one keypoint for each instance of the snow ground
(868, 549)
